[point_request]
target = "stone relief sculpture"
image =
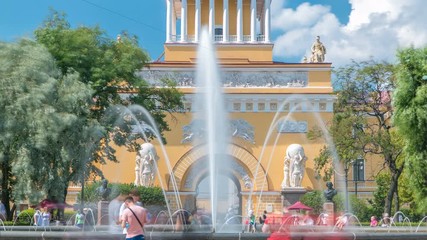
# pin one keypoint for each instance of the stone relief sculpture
(245, 79)
(294, 166)
(236, 128)
(318, 51)
(145, 165)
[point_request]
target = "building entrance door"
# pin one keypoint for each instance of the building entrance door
(228, 195)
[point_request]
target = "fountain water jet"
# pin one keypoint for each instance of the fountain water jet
(210, 108)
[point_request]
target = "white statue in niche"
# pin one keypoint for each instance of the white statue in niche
(294, 166)
(145, 165)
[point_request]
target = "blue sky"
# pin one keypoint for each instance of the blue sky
(350, 29)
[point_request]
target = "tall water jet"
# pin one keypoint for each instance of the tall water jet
(211, 115)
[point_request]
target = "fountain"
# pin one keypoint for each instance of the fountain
(210, 110)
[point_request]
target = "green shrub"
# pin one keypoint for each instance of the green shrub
(359, 208)
(25, 217)
(314, 200)
(149, 195)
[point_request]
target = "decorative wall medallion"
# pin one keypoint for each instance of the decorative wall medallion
(292, 127)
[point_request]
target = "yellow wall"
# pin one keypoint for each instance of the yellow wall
(124, 171)
(225, 53)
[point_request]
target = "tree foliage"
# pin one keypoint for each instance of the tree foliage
(110, 67)
(54, 129)
(44, 125)
(148, 195)
(362, 126)
(314, 200)
(410, 105)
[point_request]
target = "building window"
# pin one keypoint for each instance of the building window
(218, 34)
(261, 106)
(359, 170)
(236, 107)
(322, 106)
(187, 106)
(286, 107)
(273, 106)
(249, 106)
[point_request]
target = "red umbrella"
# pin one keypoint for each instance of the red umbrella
(52, 204)
(299, 206)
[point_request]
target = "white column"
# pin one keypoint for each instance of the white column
(197, 21)
(253, 20)
(239, 29)
(183, 20)
(267, 18)
(168, 20)
(225, 22)
(174, 24)
(212, 18)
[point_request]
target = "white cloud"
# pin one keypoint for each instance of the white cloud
(375, 29)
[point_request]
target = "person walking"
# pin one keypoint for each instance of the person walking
(133, 218)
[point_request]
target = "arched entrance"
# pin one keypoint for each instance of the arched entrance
(228, 195)
(243, 174)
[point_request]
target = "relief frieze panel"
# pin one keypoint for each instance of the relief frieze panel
(230, 78)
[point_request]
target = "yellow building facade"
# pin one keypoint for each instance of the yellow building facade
(270, 104)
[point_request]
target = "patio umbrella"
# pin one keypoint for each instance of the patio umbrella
(299, 206)
(53, 204)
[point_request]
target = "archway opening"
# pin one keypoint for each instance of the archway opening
(228, 192)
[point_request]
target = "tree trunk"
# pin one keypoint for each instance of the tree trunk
(5, 188)
(396, 200)
(393, 189)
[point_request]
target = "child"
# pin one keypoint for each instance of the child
(374, 221)
(342, 221)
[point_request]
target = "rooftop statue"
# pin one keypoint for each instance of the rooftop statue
(318, 51)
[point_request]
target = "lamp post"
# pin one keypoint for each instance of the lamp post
(346, 187)
(346, 168)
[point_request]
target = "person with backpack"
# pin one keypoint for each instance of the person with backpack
(133, 218)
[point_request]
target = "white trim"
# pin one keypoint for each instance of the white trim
(197, 21)
(309, 103)
(239, 21)
(267, 20)
(225, 69)
(168, 20)
(253, 20)
(212, 18)
(225, 21)
(183, 20)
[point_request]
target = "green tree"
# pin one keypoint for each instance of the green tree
(380, 195)
(43, 124)
(410, 100)
(362, 122)
(110, 67)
